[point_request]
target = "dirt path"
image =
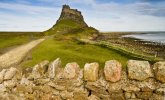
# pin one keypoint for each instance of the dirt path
(16, 55)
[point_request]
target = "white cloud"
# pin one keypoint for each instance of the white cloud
(29, 18)
(128, 17)
(29, 9)
(11, 22)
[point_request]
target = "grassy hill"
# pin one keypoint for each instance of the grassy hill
(64, 45)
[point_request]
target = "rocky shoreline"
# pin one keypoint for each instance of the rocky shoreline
(135, 45)
(51, 81)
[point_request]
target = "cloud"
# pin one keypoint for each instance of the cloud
(107, 16)
(28, 9)
(128, 17)
(23, 17)
(151, 0)
(133, 8)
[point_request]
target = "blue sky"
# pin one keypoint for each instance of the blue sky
(105, 15)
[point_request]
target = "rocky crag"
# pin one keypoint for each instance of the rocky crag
(52, 81)
(70, 21)
(72, 14)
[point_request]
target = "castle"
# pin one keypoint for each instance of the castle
(72, 14)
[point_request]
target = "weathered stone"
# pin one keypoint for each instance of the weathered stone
(41, 81)
(44, 89)
(10, 73)
(81, 75)
(30, 97)
(2, 88)
(47, 89)
(80, 95)
(18, 75)
(112, 70)
(66, 95)
(91, 71)
(60, 75)
(72, 84)
(114, 87)
(139, 70)
(43, 67)
(102, 96)
(2, 73)
(93, 97)
(10, 96)
(146, 89)
(24, 88)
(128, 95)
(56, 86)
(160, 91)
(25, 81)
(147, 85)
(55, 92)
(117, 96)
(131, 88)
(159, 70)
(144, 95)
(71, 70)
(37, 94)
(156, 97)
(133, 96)
(56, 97)
(96, 87)
(10, 83)
(39, 70)
(78, 82)
(35, 73)
(53, 68)
(50, 97)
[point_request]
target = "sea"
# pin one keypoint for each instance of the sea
(151, 36)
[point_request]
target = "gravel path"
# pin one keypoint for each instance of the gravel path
(16, 55)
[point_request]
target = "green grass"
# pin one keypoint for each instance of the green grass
(72, 51)
(65, 26)
(9, 39)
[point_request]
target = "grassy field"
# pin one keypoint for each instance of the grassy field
(73, 51)
(12, 39)
(64, 44)
(8, 41)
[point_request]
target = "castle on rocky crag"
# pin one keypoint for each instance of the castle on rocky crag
(72, 14)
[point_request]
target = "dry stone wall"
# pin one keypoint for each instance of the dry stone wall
(51, 81)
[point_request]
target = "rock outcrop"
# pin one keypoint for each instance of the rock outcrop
(72, 14)
(53, 82)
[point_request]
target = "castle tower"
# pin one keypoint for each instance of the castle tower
(72, 14)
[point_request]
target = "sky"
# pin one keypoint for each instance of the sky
(104, 15)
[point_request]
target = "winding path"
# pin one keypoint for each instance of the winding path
(16, 55)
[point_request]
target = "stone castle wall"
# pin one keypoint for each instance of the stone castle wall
(72, 14)
(67, 9)
(51, 81)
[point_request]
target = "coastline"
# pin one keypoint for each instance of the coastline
(132, 44)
